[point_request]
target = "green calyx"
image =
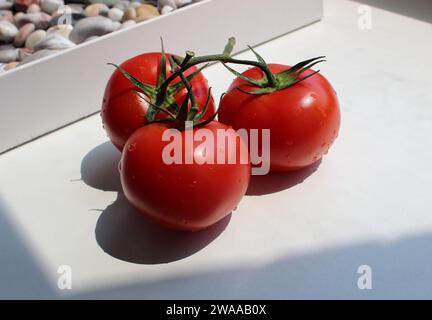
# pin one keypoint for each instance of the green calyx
(279, 81)
(161, 98)
(181, 115)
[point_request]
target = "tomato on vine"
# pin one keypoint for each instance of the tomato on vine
(297, 104)
(181, 194)
(136, 84)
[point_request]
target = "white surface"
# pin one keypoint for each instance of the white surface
(368, 203)
(74, 80)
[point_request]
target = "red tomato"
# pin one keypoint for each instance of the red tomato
(123, 111)
(182, 196)
(303, 119)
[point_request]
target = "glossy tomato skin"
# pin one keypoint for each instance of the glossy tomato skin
(123, 111)
(187, 197)
(303, 119)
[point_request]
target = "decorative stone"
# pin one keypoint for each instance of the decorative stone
(5, 5)
(50, 6)
(62, 29)
(135, 4)
(53, 41)
(33, 8)
(22, 5)
(145, 12)
(167, 9)
(23, 34)
(182, 3)
(91, 26)
(8, 31)
(128, 24)
(76, 8)
(83, 2)
(18, 15)
(130, 14)
(7, 15)
(122, 5)
(10, 66)
(91, 38)
(96, 9)
(24, 53)
(8, 53)
(115, 14)
(38, 55)
(109, 3)
(74, 18)
(164, 3)
(39, 19)
(34, 38)
(25, 37)
(117, 25)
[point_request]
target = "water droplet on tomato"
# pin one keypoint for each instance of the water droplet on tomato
(308, 100)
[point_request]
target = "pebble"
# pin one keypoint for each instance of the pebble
(73, 18)
(23, 24)
(116, 25)
(166, 3)
(38, 55)
(122, 5)
(7, 15)
(18, 14)
(91, 38)
(23, 34)
(39, 19)
(167, 9)
(128, 24)
(53, 41)
(109, 3)
(8, 53)
(24, 53)
(182, 3)
(5, 5)
(83, 2)
(145, 12)
(115, 14)
(10, 66)
(135, 4)
(91, 26)
(62, 29)
(8, 31)
(34, 38)
(96, 9)
(33, 8)
(130, 14)
(22, 5)
(76, 8)
(51, 6)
